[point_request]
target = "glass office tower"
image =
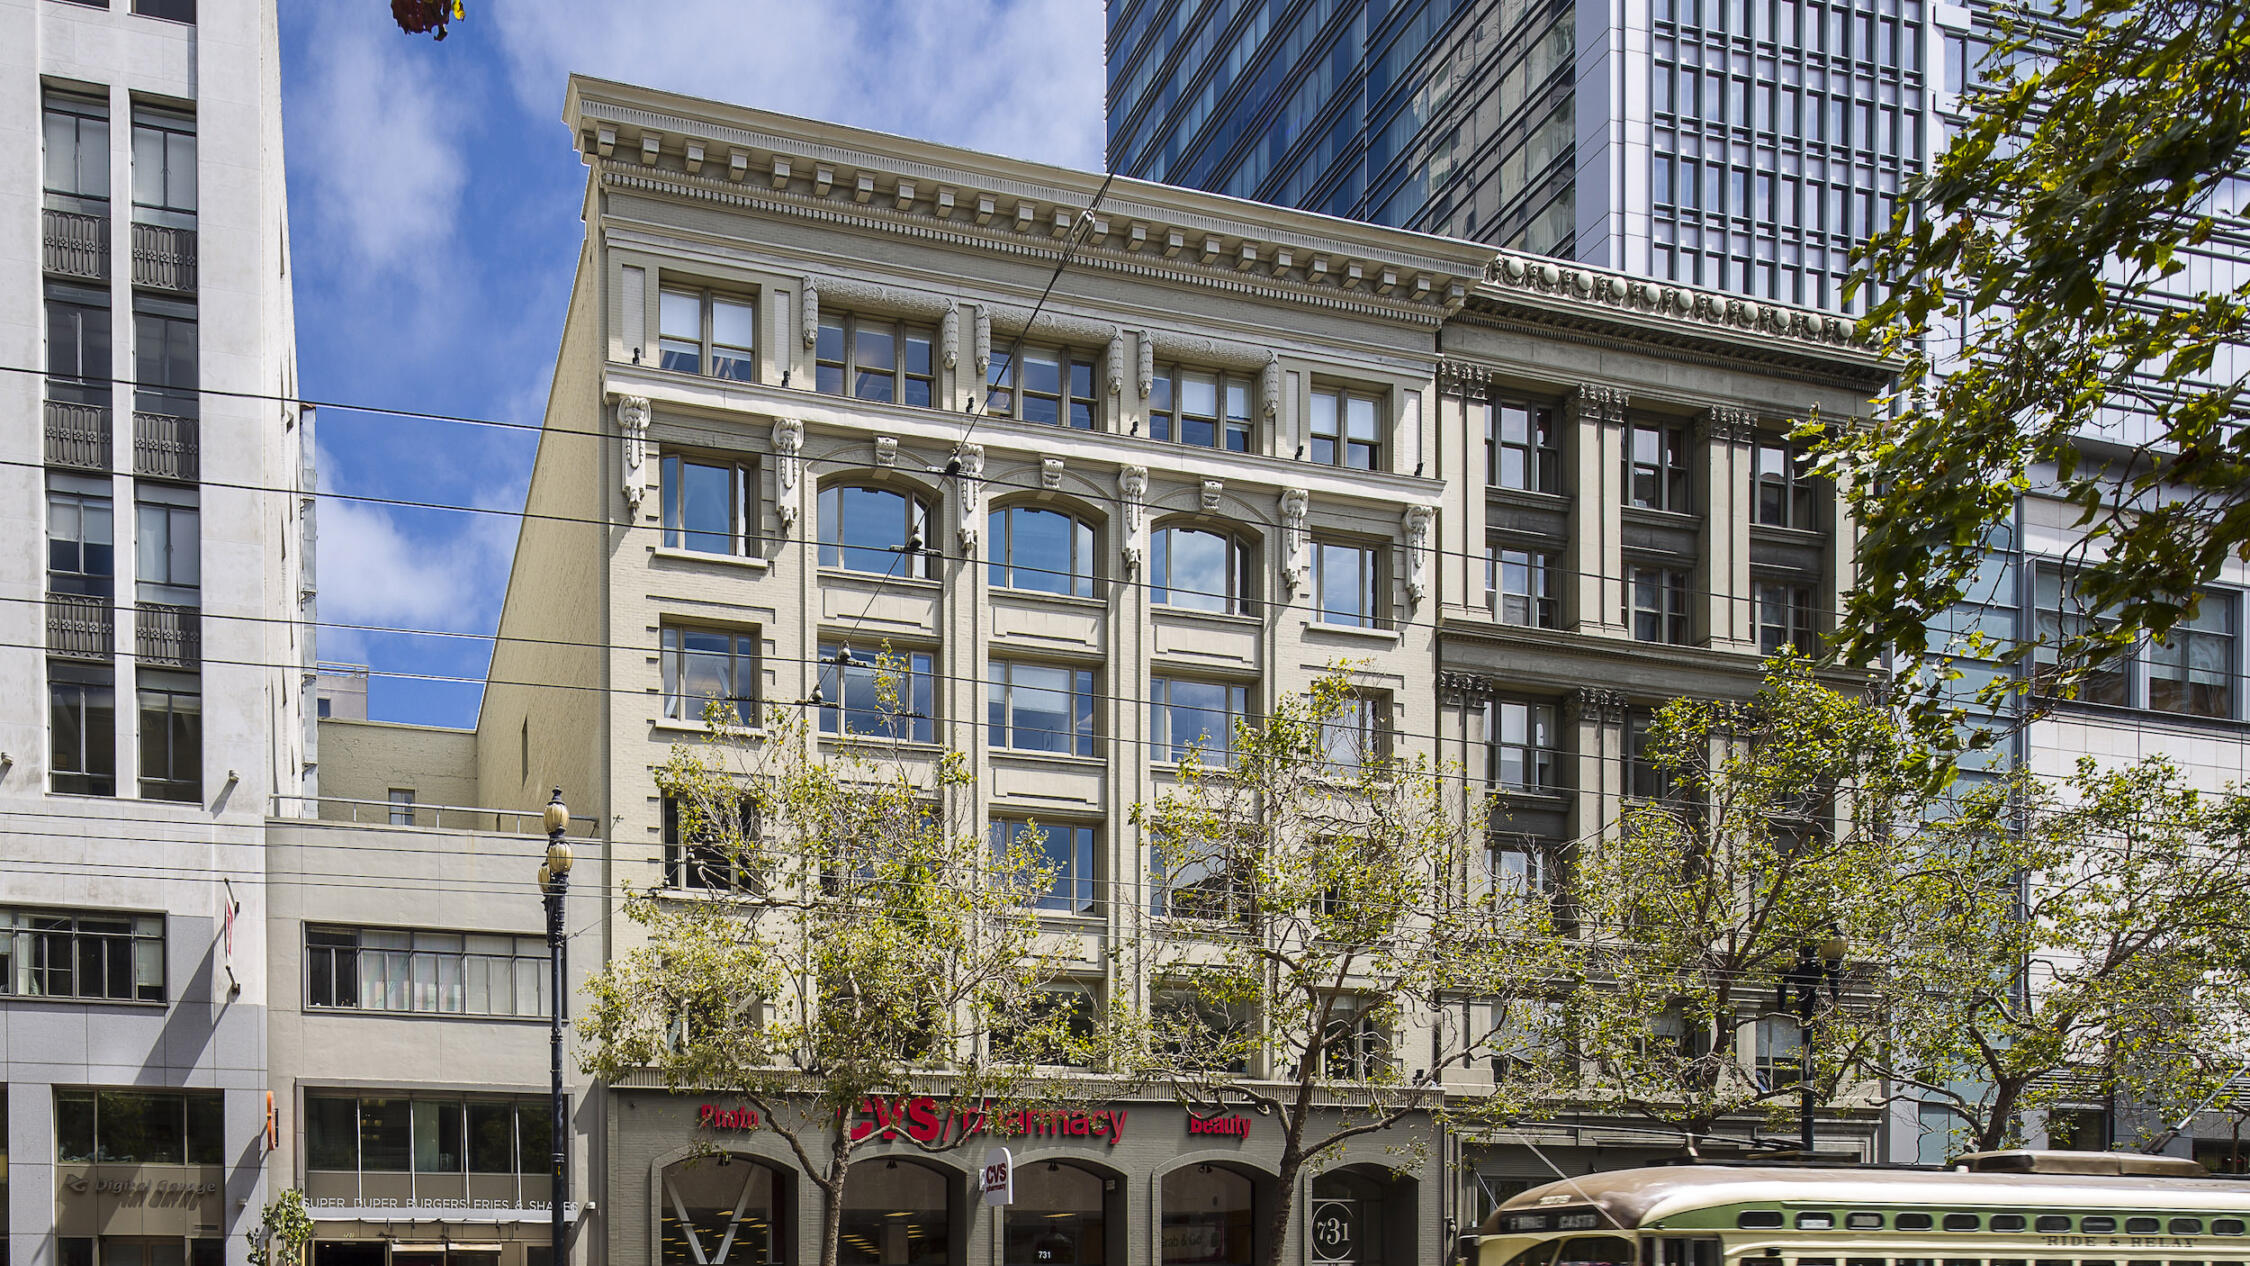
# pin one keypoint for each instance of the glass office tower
(1737, 144)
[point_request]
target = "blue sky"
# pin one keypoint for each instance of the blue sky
(433, 200)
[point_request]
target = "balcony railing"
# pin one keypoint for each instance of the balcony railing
(166, 633)
(164, 445)
(77, 435)
(164, 258)
(79, 627)
(75, 244)
(436, 817)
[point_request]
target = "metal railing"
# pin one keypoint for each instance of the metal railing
(80, 627)
(434, 817)
(164, 445)
(77, 435)
(74, 244)
(164, 258)
(167, 633)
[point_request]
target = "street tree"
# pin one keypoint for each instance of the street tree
(1323, 947)
(1754, 853)
(2048, 291)
(2073, 937)
(863, 943)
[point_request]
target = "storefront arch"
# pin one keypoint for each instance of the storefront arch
(1360, 1215)
(1213, 1213)
(724, 1210)
(900, 1211)
(1068, 1211)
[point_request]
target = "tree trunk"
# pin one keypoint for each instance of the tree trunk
(1284, 1203)
(832, 1214)
(1994, 1135)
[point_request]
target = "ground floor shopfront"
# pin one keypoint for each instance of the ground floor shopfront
(698, 1182)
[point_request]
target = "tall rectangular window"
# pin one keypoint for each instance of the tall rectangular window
(1042, 550)
(1040, 708)
(402, 806)
(168, 541)
(1645, 777)
(165, 357)
(75, 173)
(2058, 615)
(171, 735)
(78, 344)
(701, 853)
(1656, 466)
(426, 972)
(81, 555)
(170, 10)
(706, 504)
(869, 358)
(1358, 734)
(163, 167)
(1656, 604)
(1784, 615)
(1785, 495)
(703, 331)
(1520, 447)
(1065, 848)
(1347, 585)
(1347, 429)
(1056, 387)
(1202, 407)
(706, 666)
(874, 697)
(1194, 716)
(1524, 753)
(102, 955)
(2192, 671)
(82, 728)
(1523, 585)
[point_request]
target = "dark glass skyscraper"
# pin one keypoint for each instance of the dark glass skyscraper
(1739, 144)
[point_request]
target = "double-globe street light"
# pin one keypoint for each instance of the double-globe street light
(554, 881)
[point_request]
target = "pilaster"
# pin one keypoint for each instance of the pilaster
(1594, 561)
(1723, 597)
(1597, 720)
(1460, 462)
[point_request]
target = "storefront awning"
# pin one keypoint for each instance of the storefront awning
(394, 1216)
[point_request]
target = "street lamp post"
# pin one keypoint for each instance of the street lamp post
(1818, 962)
(554, 882)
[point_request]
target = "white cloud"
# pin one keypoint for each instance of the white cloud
(375, 571)
(378, 135)
(1022, 78)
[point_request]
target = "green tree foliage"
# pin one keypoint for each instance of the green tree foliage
(283, 1232)
(2071, 939)
(2041, 249)
(1769, 838)
(870, 941)
(1323, 947)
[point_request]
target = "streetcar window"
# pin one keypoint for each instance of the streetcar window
(2226, 1226)
(1964, 1261)
(1962, 1222)
(1536, 1255)
(2140, 1226)
(1911, 1222)
(2050, 1222)
(2097, 1225)
(1672, 1251)
(2049, 1261)
(1758, 1219)
(2186, 1264)
(2185, 1226)
(2009, 1261)
(1816, 1221)
(1596, 1250)
(1816, 1261)
(1863, 1261)
(2006, 1222)
(1913, 1261)
(1864, 1221)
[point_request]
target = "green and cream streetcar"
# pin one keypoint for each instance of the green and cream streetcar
(1991, 1209)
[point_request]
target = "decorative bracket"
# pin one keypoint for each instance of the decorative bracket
(971, 484)
(632, 425)
(886, 451)
(1132, 482)
(1050, 473)
(808, 295)
(1296, 539)
(788, 443)
(1212, 490)
(1418, 521)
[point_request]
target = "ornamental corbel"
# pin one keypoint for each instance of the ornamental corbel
(1116, 366)
(984, 341)
(970, 481)
(1132, 484)
(1269, 386)
(1296, 539)
(951, 327)
(1050, 473)
(1213, 489)
(1417, 521)
(632, 426)
(808, 293)
(1147, 351)
(886, 451)
(788, 444)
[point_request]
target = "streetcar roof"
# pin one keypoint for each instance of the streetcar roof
(1632, 1198)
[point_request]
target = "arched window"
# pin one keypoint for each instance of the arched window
(1200, 569)
(1208, 1217)
(1059, 1217)
(874, 529)
(895, 1213)
(1043, 550)
(720, 1212)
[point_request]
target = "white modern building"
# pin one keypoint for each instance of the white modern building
(152, 703)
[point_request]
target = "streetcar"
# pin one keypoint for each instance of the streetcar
(2012, 1208)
